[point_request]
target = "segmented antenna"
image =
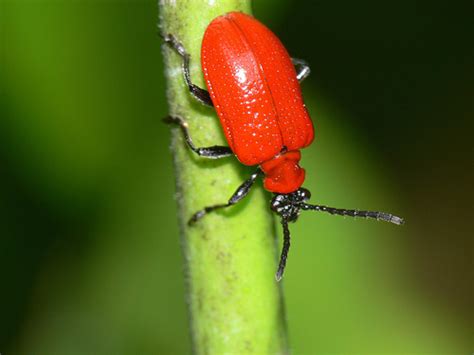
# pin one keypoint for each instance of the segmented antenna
(284, 251)
(381, 216)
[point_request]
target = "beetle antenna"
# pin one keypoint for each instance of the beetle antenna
(381, 216)
(285, 249)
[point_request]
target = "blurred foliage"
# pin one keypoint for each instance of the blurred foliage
(89, 250)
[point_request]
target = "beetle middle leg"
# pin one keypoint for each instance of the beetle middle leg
(238, 195)
(302, 69)
(213, 152)
(198, 93)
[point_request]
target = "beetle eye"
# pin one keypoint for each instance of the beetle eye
(304, 193)
(275, 203)
(280, 203)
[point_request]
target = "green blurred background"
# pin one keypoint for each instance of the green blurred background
(89, 251)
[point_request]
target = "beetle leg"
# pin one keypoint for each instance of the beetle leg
(198, 93)
(238, 195)
(214, 152)
(302, 69)
(284, 250)
(381, 216)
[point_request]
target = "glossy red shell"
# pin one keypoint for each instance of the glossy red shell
(253, 86)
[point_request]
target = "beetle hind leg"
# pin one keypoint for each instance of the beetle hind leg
(213, 152)
(198, 93)
(238, 195)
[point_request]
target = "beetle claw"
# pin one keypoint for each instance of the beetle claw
(177, 45)
(174, 120)
(196, 217)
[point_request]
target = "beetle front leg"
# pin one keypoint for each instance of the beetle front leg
(213, 152)
(198, 93)
(238, 195)
(302, 69)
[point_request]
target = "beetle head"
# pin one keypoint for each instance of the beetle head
(288, 206)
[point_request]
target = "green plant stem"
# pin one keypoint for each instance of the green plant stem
(230, 258)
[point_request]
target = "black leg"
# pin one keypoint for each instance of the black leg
(302, 69)
(382, 216)
(238, 195)
(199, 94)
(284, 251)
(214, 152)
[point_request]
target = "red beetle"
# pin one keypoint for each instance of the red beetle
(255, 90)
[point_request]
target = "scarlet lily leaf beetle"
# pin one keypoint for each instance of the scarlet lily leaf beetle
(254, 86)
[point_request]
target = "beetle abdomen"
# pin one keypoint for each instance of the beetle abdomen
(253, 85)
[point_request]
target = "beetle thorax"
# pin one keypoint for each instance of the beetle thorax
(283, 174)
